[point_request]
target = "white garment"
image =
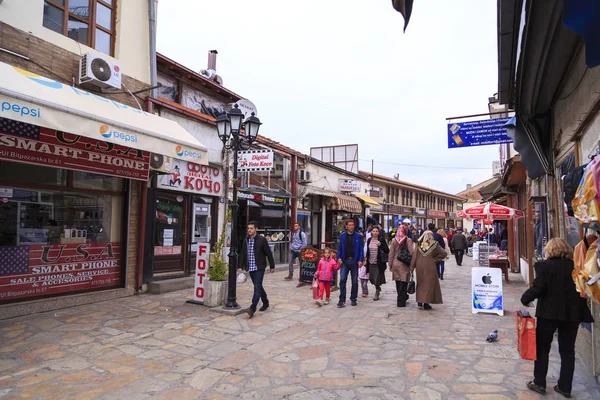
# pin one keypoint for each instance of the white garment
(447, 248)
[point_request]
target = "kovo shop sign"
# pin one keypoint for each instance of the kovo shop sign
(190, 177)
(28, 112)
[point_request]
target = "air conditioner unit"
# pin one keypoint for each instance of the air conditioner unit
(98, 71)
(303, 175)
(161, 163)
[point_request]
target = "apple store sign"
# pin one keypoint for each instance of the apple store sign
(486, 295)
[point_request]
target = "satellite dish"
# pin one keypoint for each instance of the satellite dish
(247, 107)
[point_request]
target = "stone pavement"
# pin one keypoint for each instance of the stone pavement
(159, 347)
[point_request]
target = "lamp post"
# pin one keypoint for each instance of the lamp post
(229, 129)
(387, 205)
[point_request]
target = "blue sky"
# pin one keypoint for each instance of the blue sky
(341, 71)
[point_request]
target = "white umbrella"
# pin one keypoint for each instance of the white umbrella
(406, 221)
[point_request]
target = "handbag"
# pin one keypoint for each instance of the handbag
(404, 255)
(412, 287)
(383, 256)
(526, 339)
(315, 289)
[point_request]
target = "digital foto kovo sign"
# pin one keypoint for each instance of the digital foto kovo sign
(478, 133)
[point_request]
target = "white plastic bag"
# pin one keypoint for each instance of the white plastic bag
(241, 278)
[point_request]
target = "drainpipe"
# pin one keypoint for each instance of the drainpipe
(152, 34)
(142, 225)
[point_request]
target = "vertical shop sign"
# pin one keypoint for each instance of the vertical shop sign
(200, 273)
(41, 270)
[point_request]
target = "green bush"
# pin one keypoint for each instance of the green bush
(217, 266)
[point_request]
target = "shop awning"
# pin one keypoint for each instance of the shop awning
(344, 202)
(316, 191)
(37, 100)
(368, 200)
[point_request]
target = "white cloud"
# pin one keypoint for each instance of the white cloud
(341, 71)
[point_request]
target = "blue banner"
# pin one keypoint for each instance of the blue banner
(478, 133)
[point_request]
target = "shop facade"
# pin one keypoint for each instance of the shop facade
(72, 168)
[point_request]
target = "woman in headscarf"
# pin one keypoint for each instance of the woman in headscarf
(401, 270)
(424, 260)
(377, 258)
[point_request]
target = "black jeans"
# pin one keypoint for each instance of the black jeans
(259, 291)
(402, 295)
(567, 333)
(459, 255)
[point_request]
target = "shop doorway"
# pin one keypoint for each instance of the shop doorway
(170, 234)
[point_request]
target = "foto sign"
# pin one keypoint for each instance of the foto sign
(200, 273)
(486, 284)
(255, 160)
(191, 177)
(478, 133)
(349, 186)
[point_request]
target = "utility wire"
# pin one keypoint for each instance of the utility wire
(423, 166)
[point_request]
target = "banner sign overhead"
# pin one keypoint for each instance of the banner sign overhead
(255, 160)
(478, 133)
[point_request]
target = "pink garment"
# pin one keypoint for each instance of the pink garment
(325, 270)
(362, 273)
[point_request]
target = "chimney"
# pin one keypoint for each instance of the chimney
(212, 60)
(469, 186)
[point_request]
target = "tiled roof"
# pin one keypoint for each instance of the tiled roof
(413, 185)
(473, 192)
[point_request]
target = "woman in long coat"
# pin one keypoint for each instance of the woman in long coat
(376, 259)
(428, 252)
(400, 271)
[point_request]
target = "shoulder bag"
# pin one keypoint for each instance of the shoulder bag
(404, 255)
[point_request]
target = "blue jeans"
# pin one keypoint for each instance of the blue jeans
(441, 266)
(349, 266)
(259, 291)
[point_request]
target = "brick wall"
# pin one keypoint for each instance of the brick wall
(54, 62)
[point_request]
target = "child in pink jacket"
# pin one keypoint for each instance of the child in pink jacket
(325, 275)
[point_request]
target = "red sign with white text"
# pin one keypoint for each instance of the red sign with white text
(41, 270)
(190, 177)
(200, 273)
(36, 145)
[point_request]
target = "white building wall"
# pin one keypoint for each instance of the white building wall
(328, 179)
(132, 46)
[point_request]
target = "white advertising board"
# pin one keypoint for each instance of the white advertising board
(255, 160)
(486, 288)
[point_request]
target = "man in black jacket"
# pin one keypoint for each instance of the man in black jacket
(253, 259)
(559, 307)
(459, 244)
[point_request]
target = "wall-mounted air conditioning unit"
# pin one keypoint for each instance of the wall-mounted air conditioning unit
(98, 71)
(303, 176)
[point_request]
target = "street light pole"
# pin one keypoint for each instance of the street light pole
(229, 130)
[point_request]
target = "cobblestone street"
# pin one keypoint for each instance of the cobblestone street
(161, 348)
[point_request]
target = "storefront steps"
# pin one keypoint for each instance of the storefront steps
(43, 305)
(171, 285)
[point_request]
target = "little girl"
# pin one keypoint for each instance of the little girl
(325, 275)
(363, 274)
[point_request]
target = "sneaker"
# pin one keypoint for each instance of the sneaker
(353, 303)
(364, 295)
(318, 302)
(442, 277)
(250, 312)
(327, 301)
(264, 307)
(341, 304)
(288, 278)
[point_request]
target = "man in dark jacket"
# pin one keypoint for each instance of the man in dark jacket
(559, 307)
(459, 244)
(255, 252)
(350, 257)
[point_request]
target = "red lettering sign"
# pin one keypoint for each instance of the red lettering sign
(191, 177)
(41, 270)
(36, 145)
(201, 266)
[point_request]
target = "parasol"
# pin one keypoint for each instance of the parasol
(406, 221)
(490, 211)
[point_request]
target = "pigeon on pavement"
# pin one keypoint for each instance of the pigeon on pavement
(492, 337)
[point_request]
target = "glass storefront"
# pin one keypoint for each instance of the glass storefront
(60, 231)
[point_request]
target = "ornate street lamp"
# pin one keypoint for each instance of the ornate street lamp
(229, 126)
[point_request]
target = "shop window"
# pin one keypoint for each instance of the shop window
(90, 180)
(91, 22)
(31, 173)
(169, 222)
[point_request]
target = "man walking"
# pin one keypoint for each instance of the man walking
(438, 238)
(297, 243)
(459, 244)
(350, 256)
(253, 258)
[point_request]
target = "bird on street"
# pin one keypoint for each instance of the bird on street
(492, 337)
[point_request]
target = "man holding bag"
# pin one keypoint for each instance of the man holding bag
(559, 307)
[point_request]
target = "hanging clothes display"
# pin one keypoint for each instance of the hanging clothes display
(586, 266)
